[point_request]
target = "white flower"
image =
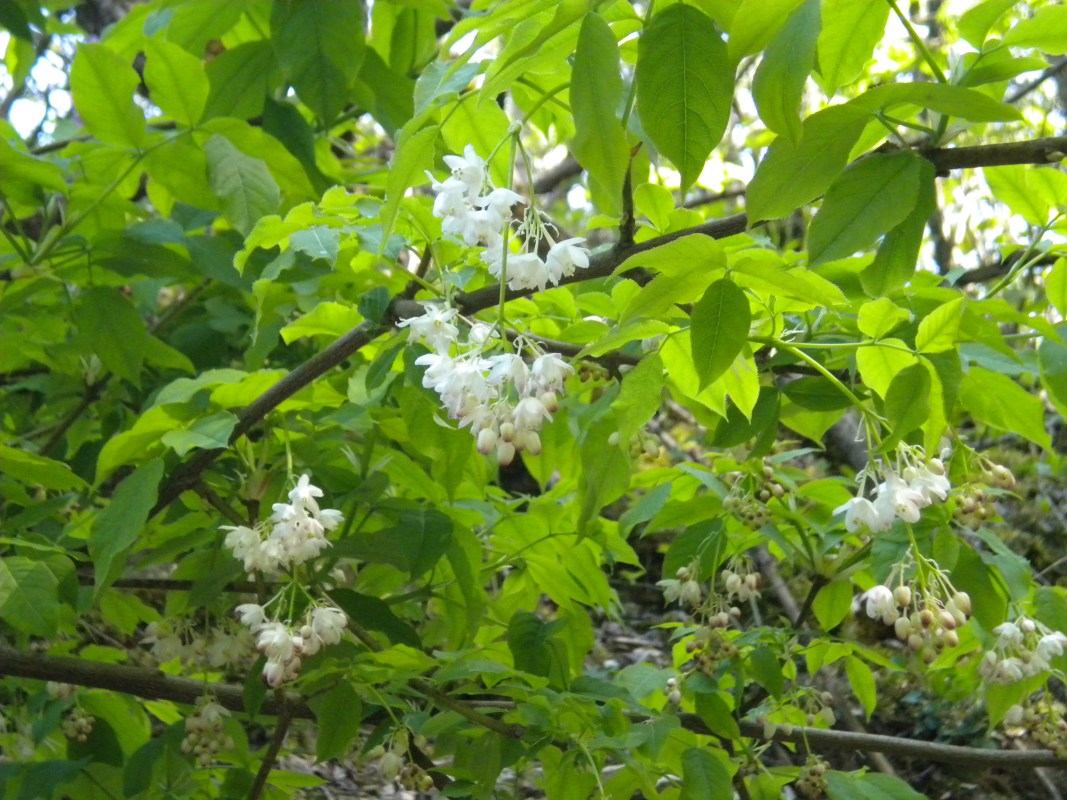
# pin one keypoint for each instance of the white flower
(880, 601)
(508, 367)
(860, 511)
(529, 413)
(304, 494)
(1051, 645)
(498, 205)
(932, 485)
(565, 257)
(526, 271)
(896, 497)
(275, 642)
(1010, 635)
(451, 197)
(469, 169)
(433, 327)
(252, 615)
(550, 371)
(480, 333)
(328, 623)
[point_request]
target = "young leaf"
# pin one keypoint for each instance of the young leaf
(718, 329)
(685, 83)
(599, 142)
(861, 679)
(319, 44)
(244, 184)
(868, 199)
(940, 329)
(1046, 31)
(879, 317)
(1001, 403)
(102, 85)
(121, 522)
(778, 85)
(850, 31)
(953, 101)
(755, 23)
(176, 80)
(791, 175)
(974, 23)
(705, 777)
(413, 154)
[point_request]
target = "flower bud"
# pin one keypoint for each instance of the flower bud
(507, 431)
(487, 440)
(962, 601)
(951, 638)
(674, 697)
(550, 401)
(613, 440)
(902, 596)
(902, 628)
(505, 452)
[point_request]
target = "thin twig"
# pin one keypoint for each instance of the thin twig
(280, 731)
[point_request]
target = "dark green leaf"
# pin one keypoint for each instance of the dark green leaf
(208, 433)
(895, 261)
(868, 786)
(1000, 402)
(376, 615)
(29, 600)
(717, 715)
(870, 198)
(122, 521)
(441, 80)
(36, 470)
(413, 155)
(907, 403)
(319, 44)
(767, 670)
(115, 331)
(241, 80)
(718, 329)
(685, 85)
(374, 305)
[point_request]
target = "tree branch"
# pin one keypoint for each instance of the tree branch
(153, 684)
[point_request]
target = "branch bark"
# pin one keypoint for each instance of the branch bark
(156, 685)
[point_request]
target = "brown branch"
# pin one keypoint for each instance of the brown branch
(281, 728)
(1048, 72)
(1036, 151)
(156, 685)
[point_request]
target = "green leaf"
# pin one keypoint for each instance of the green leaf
(953, 101)
(413, 154)
(29, 600)
(793, 174)
(704, 777)
(244, 184)
(1011, 185)
(907, 403)
(339, 715)
(375, 614)
(716, 714)
(209, 433)
(440, 81)
(767, 670)
(894, 264)
(37, 470)
(998, 401)
(868, 786)
(870, 198)
(115, 331)
(850, 31)
(326, 319)
(685, 84)
(816, 393)
(974, 23)
(102, 85)
(532, 645)
(241, 79)
(832, 604)
(940, 329)
(778, 85)
(718, 329)
(319, 44)
(599, 142)
(879, 317)
(122, 521)
(176, 81)
(25, 177)
(755, 24)
(1052, 358)
(1046, 31)
(861, 679)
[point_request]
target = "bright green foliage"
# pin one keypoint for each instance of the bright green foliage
(782, 259)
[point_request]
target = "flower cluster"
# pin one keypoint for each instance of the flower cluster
(295, 532)
(285, 645)
(1024, 648)
(682, 587)
(743, 586)
(78, 725)
(204, 736)
(921, 619)
(500, 397)
(221, 649)
(480, 219)
(901, 494)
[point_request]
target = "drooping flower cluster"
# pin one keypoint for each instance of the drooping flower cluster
(925, 621)
(901, 493)
(285, 645)
(204, 735)
(295, 532)
(220, 648)
(1024, 648)
(683, 588)
(478, 219)
(500, 397)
